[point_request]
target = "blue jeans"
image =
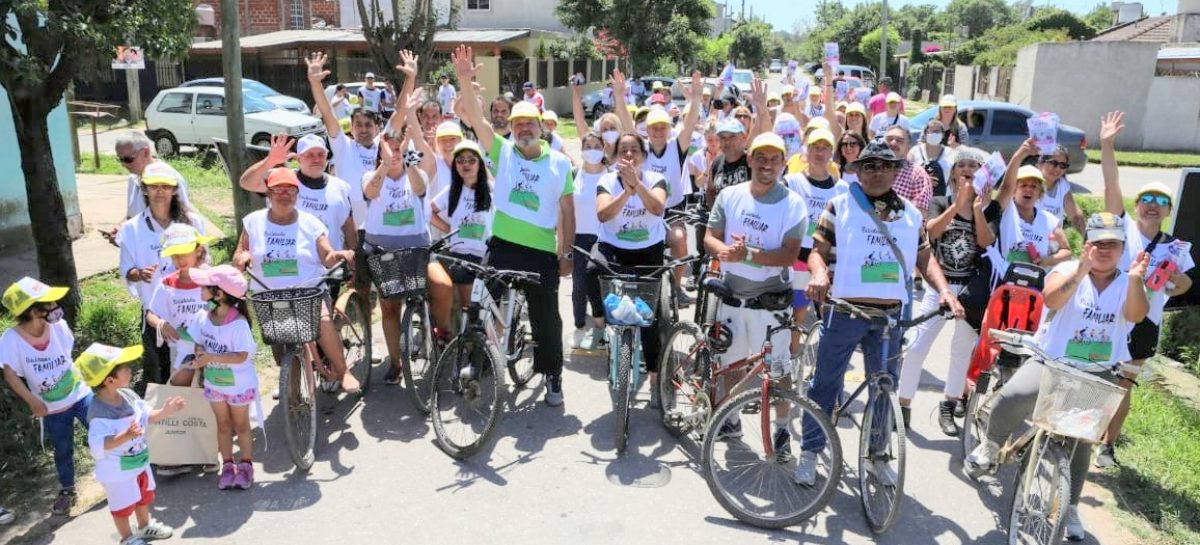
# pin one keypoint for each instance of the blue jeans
(60, 429)
(841, 334)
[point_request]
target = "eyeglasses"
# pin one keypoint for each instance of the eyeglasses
(876, 166)
(128, 159)
(850, 144)
(893, 139)
(1161, 200)
(289, 191)
(1055, 163)
(1107, 245)
(160, 187)
(742, 116)
(465, 160)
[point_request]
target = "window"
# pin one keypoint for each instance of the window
(296, 14)
(480, 5)
(974, 120)
(176, 103)
(210, 105)
(1008, 123)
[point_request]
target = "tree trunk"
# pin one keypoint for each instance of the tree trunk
(47, 213)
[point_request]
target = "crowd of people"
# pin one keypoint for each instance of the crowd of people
(794, 188)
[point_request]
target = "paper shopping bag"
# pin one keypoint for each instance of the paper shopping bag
(186, 438)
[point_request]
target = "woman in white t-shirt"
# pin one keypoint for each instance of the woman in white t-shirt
(587, 229)
(1027, 233)
(176, 299)
(465, 209)
(630, 203)
(1093, 306)
(285, 247)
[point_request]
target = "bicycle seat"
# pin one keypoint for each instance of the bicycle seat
(718, 287)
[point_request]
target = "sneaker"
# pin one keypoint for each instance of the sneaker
(1106, 457)
(577, 337)
(154, 530)
(906, 416)
(806, 469)
(554, 392)
(133, 540)
(245, 476)
(6, 516)
(64, 502)
(783, 446)
(392, 377)
(983, 458)
(690, 284)
(467, 373)
(683, 300)
(960, 407)
(228, 476)
(1074, 525)
(730, 429)
(592, 340)
(883, 473)
(275, 394)
(946, 417)
(171, 471)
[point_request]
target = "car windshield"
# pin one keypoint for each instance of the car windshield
(257, 87)
(743, 77)
(253, 103)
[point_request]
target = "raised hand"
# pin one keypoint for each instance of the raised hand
(1140, 265)
(618, 82)
(279, 154)
(413, 101)
(1110, 126)
(408, 63)
(1028, 149)
(1086, 257)
(316, 67)
(465, 68)
(696, 92)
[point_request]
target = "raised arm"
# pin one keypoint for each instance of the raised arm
(695, 96)
(408, 67)
(317, 74)
(830, 113)
(581, 126)
(760, 124)
(466, 70)
(1110, 127)
(254, 179)
(1008, 185)
(618, 87)
(426, 169)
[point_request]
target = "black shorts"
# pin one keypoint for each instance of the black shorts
(461, 276)
(1143, 340)
(362, 273)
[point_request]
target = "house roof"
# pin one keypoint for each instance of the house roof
(326, 36)
(1146, 29)
(1178, 53)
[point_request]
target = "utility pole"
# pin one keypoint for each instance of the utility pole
(133, 89)
(235, 122)
(883, 43)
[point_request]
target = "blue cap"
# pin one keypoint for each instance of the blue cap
(731, 126)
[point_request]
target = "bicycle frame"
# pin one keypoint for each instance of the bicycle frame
(485, 313)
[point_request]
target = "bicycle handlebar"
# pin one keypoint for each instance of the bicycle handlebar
(876, 315)
(338, 273)
(654, 270)
(490, 272)
(1019, 342)
(690, 216)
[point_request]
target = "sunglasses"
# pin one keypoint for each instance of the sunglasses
(876, 166)
(465, 160)
(742, 116)
(1161, 200)
(1059, 164)
(127, 159)
(284, 190)
(850, 144)
(1107, 245)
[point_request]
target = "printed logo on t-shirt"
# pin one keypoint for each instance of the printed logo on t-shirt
(472, 228)
(59, 389)
(218, 376)
(1093, 341)
(280, 259)
(880, 265)
(523, 193)
(754, 229)
(135, 459)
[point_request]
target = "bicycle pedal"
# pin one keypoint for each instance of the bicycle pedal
(752, 408)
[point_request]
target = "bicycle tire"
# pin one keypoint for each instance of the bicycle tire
(353, 324)
(1058, 485)
(881, 520)
(974, 424)
(297, 392)
(520, 364)
(620, 391)
(780, 472)
(683, 373)
(448, 392)
(417, 353)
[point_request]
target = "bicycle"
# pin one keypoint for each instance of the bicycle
(705, 309)
(290, 319)
(880, 498)
(689, 394)
(487, 336)
(624, 331)
(1073, 405)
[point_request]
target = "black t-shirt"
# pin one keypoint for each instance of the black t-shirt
(956, 250)
(729, 173)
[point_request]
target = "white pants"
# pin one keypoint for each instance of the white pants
(920, 340)
(748, 330)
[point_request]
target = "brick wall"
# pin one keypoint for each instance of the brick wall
(271, 15)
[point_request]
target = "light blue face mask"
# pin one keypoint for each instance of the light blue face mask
(792, 141)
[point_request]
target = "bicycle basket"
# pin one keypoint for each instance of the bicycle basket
(1075, 403)
(288, 316)
(399, 273)
(645, 291)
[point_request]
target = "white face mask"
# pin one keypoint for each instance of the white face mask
(593, 156)
(933, 139)
(610, 137)
(641, 130)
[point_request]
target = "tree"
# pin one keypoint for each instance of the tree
(1100, 18)
(412, 29)
(847, 31)
(979, 15)
(911, 17)
(648, 28)
(1050, 18)
(869, 46)
(47, 45)
(915, 55)
(749, 47)
(713, 53)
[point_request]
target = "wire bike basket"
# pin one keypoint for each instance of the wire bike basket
(288, 316)
(644, 291)
(399, 273)
(1075, 403)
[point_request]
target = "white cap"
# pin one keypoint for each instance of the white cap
(370, 75)
(308, 142)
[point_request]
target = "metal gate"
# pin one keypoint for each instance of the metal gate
(513, 73)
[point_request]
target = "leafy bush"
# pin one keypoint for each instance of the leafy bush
(1181, 337)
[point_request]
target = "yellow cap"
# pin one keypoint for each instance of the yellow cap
(893, 97)
(820, 135)
(631, 109)
(856, 108)
(549, 115)
(788, 90)
(95, 363)
(159, 173)
(774, 96)
(768, 140)
(524, 110)
(1158, 188)
(656, 85)
(658, 116)
(817, 123)
(27, 291)
(948, 101)
(813, 91)
(181, 238)
(1030, 172)
(468, 145)
(448, 128)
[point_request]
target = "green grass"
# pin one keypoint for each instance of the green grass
(1156, 159)
(566, 128)
(108, 164)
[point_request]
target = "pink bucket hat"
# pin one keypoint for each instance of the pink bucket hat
(225, 277)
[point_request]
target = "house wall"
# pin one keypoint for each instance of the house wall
(533, 14)
(14, 207)
(262, 16)
(1171, 118)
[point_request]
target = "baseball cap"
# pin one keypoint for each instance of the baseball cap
(27, 291)
(774, 96)
(893, 97)
(467, 145)
(767, 140)
(448, 128)
(309, 141)
(527, 85)
(876, 150)
(95, 363)
(1030, 171)
(817, 123)
(856, 108)
(524, 110)
(370, 75)
(731, 126)
(813, 91)
(656, 85)
(282, 176)
(788, 90)
(181, 238)
(706, 91)
(948, 101)
(658, 98)
(549, 115)
(820, 135)
(1158, 188)
(1105, 226)
(159, 173)
(658, 116)
(229, 279)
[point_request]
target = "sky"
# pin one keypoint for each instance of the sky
(782, 14)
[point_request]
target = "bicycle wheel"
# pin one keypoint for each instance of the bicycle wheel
(353, 323)
(297, 392)
(468, 384)
(417, 352)
(1041, 494)
(975, 422)
(881, 460)
(520, 364)
(805, 363)
(683, 397)
(760, 489)
(620, 390)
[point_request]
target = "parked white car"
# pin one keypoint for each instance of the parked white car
(195, 115)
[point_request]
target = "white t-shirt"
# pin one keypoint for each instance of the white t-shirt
(881, 122)
(697, 162)
(1091, 325)
(372, 99)
(670, 166)
(1013, 243)
(136, 202)
(343, 109)
(815, 199)
(446, 95)
(527, 194)
(634, 227)
(351, 160)
(862, 248)
(332, 205)
(764, 226)
(586, 222)
(1054, 199)
(1175, 250)
(284, 255)
(234, 335)
(474, 226)
(50, 373)
(127, 460)
(397, 211)
(140, 240)
(177, 306)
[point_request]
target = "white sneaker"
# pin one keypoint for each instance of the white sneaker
(154, 530)
(806, 469)
(577, 337)
(1074, 525)
(982, 459)
(592, 340)
(883, 473)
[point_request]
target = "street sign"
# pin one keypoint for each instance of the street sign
(129, 57)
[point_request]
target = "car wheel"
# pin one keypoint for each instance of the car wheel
(261, 139)
(165, 144)
(597, 111)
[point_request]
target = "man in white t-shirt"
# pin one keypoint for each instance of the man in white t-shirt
(893, 116)
(446, 94)
(533, 96)
(373, 97)
(134, 151)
